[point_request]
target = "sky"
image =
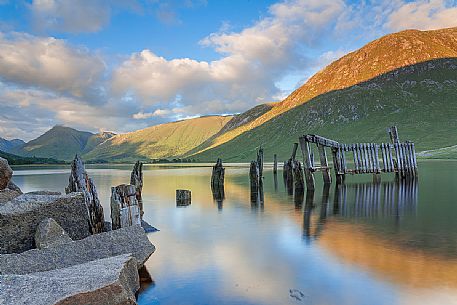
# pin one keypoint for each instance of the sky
(123, 65)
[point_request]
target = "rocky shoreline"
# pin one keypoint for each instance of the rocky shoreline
(54, 248)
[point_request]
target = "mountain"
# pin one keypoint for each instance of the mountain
(379, 57)
(9, 145)
(59, 142)
(97, 139)
(421, 99)
(160, 141)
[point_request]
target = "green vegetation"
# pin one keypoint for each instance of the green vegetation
(163, 141)
(58, 143)
(18, 160)
(419, 99)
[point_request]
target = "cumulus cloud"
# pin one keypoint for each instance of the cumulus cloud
(49, 63)
(48, 82)
(424, 15)
(251, 62)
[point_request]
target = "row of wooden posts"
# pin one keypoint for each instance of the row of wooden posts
(367, 158)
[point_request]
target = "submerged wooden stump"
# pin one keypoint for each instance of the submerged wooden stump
(183, 197)
(298, 176)
(136, 179)
(79, 181)
(256, 178)
(217, 177)
(125, 210)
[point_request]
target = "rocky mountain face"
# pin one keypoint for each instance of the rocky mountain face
(419, 99)
(374, 59)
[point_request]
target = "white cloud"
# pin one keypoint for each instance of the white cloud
(157, 113)
(251, 62)
(49, 63)
(424, 15)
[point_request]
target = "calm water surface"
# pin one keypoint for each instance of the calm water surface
(357, 244)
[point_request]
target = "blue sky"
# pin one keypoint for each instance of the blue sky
(122, 65)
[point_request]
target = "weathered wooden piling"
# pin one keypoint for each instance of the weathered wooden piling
(298, 175)
(324, 164)
(125, 210)
(217, 176)
(136, 179)
(183, 197)
(275, 164)
(79, 181)
(256, 177)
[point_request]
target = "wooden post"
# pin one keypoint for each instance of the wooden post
(288, 176)
(294, 151)
(260, 162)
(324, 164)
(337, 165)
(298, 176)
(125, 210)
(136, 179)
(183, 197)
(356, 161)
(308, 169)
(275, 164)
(217, 176)
(79, 181)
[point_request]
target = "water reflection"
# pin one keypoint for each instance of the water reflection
(366, 200)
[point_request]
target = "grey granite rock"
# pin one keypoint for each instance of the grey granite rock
(8, 195)
(5, 173)
(131, 239)
(50, 233)
(44, 193)
(20, 217)
(109, 281)
(14, 187)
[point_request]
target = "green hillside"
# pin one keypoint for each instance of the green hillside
(59, 143)
(162, 141)
(376, 58)
(420, 99)
(18, 160)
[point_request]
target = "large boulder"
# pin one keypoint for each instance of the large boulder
(5, 173)
(131, 239)
(109, 281)
(20, 217)
(10, 192)
(50, 233)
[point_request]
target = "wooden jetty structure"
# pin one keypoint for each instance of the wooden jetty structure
(368, 158)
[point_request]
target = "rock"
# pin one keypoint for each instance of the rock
(20, 217)
(79, 181)
(147, 227)
(108, 226)
(44, 193)
(5, 173)
(50, 233)
(14, 187)
(7, 195)
(10, 192)
(122, 241)
(109, 281)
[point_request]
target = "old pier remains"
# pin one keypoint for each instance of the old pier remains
(368, 158)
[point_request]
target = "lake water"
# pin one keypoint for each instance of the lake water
(358, 244)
